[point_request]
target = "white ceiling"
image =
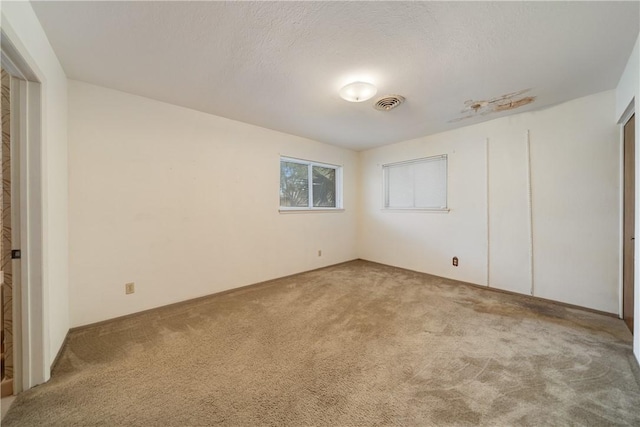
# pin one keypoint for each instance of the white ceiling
(280, 64)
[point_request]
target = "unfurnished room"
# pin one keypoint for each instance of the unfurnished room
(320, 213)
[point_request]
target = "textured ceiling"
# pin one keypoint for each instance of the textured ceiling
(280, 64)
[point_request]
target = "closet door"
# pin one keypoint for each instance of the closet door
(5, 239)
(629, 222)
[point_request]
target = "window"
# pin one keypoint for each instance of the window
(416, 184)
(324, 193)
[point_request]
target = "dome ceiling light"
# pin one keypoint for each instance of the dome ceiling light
(358, 91)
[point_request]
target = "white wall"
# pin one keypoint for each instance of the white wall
(575, 170)
(20, 23)
(185, 204)
(627, 88)
(628, 91)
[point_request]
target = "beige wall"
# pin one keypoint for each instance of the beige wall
(575, 205)
(185, 204)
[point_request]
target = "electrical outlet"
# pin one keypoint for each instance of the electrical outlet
(455, 261)
(129, 288)
(319, 252)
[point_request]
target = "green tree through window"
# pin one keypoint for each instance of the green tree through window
(295, 191)
(324, 187)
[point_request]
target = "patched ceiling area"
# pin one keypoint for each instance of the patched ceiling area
(280, 65)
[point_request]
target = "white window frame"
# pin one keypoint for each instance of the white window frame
(385, 185)
(310, 208)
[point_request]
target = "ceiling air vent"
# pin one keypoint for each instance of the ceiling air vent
(388, 102)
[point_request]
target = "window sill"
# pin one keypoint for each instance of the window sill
(416, 210)
(308, 211)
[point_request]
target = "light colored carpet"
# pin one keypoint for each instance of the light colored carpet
(358, 344)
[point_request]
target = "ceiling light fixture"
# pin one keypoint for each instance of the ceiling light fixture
(358, 91)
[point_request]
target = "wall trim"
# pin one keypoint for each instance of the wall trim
(60, 351)
(503, 291)
(271, 282)
(628, 112)
(204, 297)
(31, 331)
(530, 210)
(488, 190)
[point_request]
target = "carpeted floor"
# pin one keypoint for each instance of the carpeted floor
(358, 344)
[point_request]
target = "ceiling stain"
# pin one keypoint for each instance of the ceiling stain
(510, 101)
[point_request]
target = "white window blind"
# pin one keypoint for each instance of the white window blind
(416, 184)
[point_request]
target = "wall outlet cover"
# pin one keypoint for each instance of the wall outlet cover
(129, 288)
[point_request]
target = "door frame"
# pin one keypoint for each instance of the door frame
(628, 112)
(624, 122)
(31, 333)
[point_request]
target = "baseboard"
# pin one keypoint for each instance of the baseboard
(6, 387)
(503, 291)
(267, 282)
(60, 351)
(191, 300)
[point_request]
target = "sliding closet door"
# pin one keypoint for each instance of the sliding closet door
(7, 365)
(629, 222)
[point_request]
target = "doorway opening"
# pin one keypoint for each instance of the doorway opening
(22, 172)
